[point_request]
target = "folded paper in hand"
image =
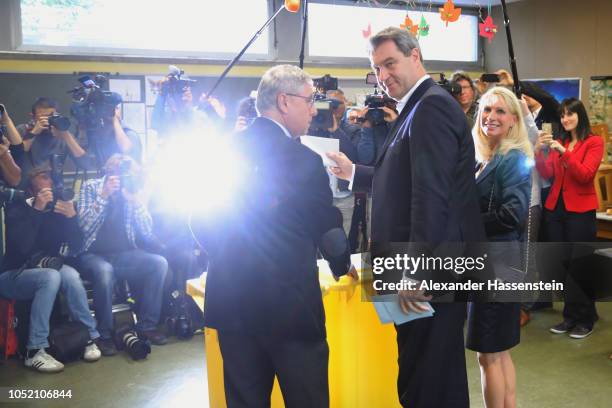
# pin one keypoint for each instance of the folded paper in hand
(322, 145)
(389, 311)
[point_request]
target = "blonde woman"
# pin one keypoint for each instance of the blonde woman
(503, 178)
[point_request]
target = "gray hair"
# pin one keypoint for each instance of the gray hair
(280, 79)
(403, 39)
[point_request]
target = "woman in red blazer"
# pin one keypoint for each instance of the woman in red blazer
(572, 163)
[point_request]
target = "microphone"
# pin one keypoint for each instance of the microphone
(292, 6)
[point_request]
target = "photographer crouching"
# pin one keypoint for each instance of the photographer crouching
(112, 217)
(36, 231)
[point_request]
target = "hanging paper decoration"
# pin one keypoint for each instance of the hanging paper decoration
(408, 25)
(449, 13)
(488, 29)
(423, 27)
(367, 33)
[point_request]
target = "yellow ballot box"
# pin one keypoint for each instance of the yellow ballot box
(362, 351)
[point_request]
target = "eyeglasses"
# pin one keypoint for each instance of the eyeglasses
(310, 100)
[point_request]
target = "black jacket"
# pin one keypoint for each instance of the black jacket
(31, 232)
(423, 188)
(263, 275)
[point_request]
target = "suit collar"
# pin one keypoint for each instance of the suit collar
(412, 100)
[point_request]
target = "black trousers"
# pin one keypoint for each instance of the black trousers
(568, 229)
(432, 371)
(250, 363)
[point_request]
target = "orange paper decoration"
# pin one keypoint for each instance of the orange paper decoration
(410, 26)
(449, 13)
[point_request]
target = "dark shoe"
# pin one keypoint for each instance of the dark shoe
(562, 327)
(106, 346)
(525, 317)
(580, 332)
(154, 336)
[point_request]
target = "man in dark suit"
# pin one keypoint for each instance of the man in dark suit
(262, 290)
(423, 192)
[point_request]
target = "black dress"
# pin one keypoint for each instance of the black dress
(504, 188)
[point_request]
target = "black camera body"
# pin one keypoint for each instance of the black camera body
(326, 83)
(179, 323)
(324, 105)
(375, 102)
(92, 106)
(59, 122)
(451, 87)
(57, 175)
(129, 181)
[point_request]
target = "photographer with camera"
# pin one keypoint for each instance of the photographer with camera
(9, 136)
(374, 130)
(468, 97)
(112, 217)
(45, 135)
(112, 137)
(33, 267)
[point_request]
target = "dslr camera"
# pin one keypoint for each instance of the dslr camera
(57, 175)
(176, 83)
(92, 106)
(59, 122)
(451, 87)
(9, 195)
(325, 106)
(128, 178)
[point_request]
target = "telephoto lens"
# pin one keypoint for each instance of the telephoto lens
(137, 348)
(60, 122)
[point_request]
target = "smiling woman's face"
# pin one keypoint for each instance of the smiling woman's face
(496, 119)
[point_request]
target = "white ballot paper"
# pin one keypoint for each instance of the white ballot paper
(321, 145)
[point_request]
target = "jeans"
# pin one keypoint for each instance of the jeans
(141, 269)
(41, 285)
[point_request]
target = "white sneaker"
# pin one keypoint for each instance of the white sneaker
(92, 353)
(44, 363)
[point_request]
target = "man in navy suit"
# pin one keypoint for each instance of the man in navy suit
(423, 193)
(262, 290)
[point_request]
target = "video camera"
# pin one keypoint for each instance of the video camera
(375, 102)
(92, 106)
(451, 87)
(176, 83)
(324, 105)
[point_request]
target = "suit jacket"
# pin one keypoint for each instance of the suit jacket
(505, 183)
(423, 187)
(573, 173)
(263, 276)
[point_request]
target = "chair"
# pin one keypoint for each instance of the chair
(601, 129)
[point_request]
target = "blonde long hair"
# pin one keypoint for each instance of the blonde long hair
(516, 139)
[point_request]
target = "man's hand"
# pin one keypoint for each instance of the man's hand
(241, 124)
(334, 125)
(344, 167)
(111, 186)
(44, 197)
(390, 114)
(352, 272)
(362, 117)
(40, 126)
(66, 208)
(411, 301)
